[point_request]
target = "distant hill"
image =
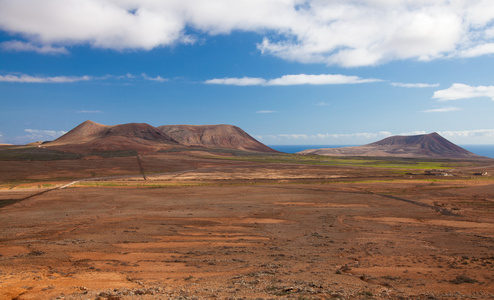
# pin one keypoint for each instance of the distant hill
(92, 137)
(216, 136)
(420, 146)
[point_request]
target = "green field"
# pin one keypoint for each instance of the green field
(370, 162)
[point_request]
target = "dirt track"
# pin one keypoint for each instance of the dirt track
(282, 237)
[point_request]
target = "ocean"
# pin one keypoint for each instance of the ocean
(483, 150)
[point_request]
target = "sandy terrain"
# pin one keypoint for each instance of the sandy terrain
(205, 228)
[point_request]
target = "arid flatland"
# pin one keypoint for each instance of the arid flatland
(231, 225)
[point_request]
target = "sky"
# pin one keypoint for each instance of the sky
(288, 72)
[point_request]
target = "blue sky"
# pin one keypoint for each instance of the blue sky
(286, 71)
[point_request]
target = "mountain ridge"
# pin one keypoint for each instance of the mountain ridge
(228, 136)
(90, 136)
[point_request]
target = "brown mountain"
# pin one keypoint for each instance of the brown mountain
(214, 136)
(421, 146)
(92, 137)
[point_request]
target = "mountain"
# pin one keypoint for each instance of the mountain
(214, 136)
(93, 137)
(421, 146)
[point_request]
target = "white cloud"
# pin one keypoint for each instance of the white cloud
(265, 112)
(299, 79)
(33, 135)
(42, 79)
(244, 81)
(478, 50)
(328, 136)
(466, 137)
(293, 136)
(486, 133)
(366, 33)
(322, 79)
(29, 47)
(415, 132)
(42, 135)
(323, 104)
(444, 109)
(365, 135)
(345, 33)
(146, 77)
(414, 85)
(462, 91)
(24, 78)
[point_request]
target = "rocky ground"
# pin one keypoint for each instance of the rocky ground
(243, 230)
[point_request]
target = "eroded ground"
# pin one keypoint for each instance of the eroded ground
(231, 230)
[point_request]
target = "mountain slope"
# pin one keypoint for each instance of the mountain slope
(84, 132)
(421, 146)
(214, 136)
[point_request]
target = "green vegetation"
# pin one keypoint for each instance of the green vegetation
(115, 153)
(34, 153)
(211, 150)
(22, 153)
(370, 162)
(139, 184)
(29, 185)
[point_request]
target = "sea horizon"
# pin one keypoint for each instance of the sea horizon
(482, 150)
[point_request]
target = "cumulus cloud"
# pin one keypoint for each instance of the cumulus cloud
(29, 47)
(299, 79)
(414, 85)
(478, 50)
(42, 135)
(345, 33)
(444, 109)
(462, 91)
(367, 32)
(23, 78)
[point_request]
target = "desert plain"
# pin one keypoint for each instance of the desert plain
(239, 225)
